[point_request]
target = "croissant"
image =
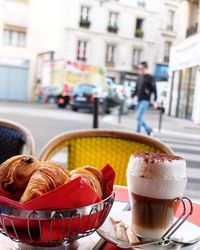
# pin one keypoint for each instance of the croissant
(48, 177)
(15, 174)
(93, 177)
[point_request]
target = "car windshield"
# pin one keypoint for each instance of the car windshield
(84, 89)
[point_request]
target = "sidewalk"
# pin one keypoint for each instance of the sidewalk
(172, 125)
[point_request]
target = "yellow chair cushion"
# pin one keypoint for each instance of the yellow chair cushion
(99, 151)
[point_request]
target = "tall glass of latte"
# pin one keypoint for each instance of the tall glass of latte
(154, 181)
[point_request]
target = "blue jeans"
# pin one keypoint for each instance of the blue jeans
(142, 106)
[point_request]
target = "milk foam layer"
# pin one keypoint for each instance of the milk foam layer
(158, 189)
(157, 166)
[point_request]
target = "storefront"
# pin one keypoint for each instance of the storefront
(14, 79)
(184, 101)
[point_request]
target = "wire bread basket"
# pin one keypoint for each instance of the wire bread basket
(51, 228)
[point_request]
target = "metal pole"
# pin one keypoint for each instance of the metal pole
(120, 111)
(160, 120)
(161, 112)
(96, 113)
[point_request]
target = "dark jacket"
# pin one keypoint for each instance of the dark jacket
(145, 87)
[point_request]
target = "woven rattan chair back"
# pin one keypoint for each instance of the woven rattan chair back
(99, 147)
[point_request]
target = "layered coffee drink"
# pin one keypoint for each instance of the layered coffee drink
(154, 181)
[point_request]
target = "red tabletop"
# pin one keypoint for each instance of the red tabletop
(121, 194)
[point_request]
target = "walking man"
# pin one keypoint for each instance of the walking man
(144, 88)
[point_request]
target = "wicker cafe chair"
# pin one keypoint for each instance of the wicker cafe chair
(15, 139)
(99, 147)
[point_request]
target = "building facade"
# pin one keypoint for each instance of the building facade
(166, 35)
(117, 42)
(114, 35)
(131, 31)
(184, 87)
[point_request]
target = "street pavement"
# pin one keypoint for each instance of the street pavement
(47, 121)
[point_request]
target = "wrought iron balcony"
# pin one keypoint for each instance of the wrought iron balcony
(139, 33)
(112, 29)
(84, 23)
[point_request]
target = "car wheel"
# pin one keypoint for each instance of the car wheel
(108, 111)
(75, 109)
(62, 105)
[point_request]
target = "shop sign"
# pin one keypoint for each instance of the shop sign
(185, 54)
(14, 61)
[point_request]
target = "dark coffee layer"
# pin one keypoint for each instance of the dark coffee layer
(152, 213)
(151, 158)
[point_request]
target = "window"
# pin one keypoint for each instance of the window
(113, 16)
(170, 25)
(112, 22)
(141, 3)
(84, 17)
(167, 51)
(85, 13)
(110, 54)
(193, 23)
(137, 53)
(139, 28)
(182, 93)
(82, 51)
(176, 77)
(14, 38)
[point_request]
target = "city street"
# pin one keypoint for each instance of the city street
(47, 121)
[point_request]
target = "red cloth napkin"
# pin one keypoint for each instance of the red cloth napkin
(74, 194)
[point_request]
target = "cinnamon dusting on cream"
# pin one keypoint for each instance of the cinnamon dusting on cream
(157, 166)
(152, 158)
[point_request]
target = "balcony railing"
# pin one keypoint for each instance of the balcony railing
(139, 33)
(84, 23)
(81, 59)
(112, 29)
(192, 30)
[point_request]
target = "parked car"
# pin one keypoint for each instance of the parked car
(83, 98)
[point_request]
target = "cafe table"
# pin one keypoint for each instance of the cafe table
(95, 242)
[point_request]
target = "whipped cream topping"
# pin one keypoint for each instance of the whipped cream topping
(157, 166)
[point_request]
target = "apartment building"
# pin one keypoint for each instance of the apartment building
(115, 35)
(38, 38)
(112, 35)
(166, 35)
(184, 84)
